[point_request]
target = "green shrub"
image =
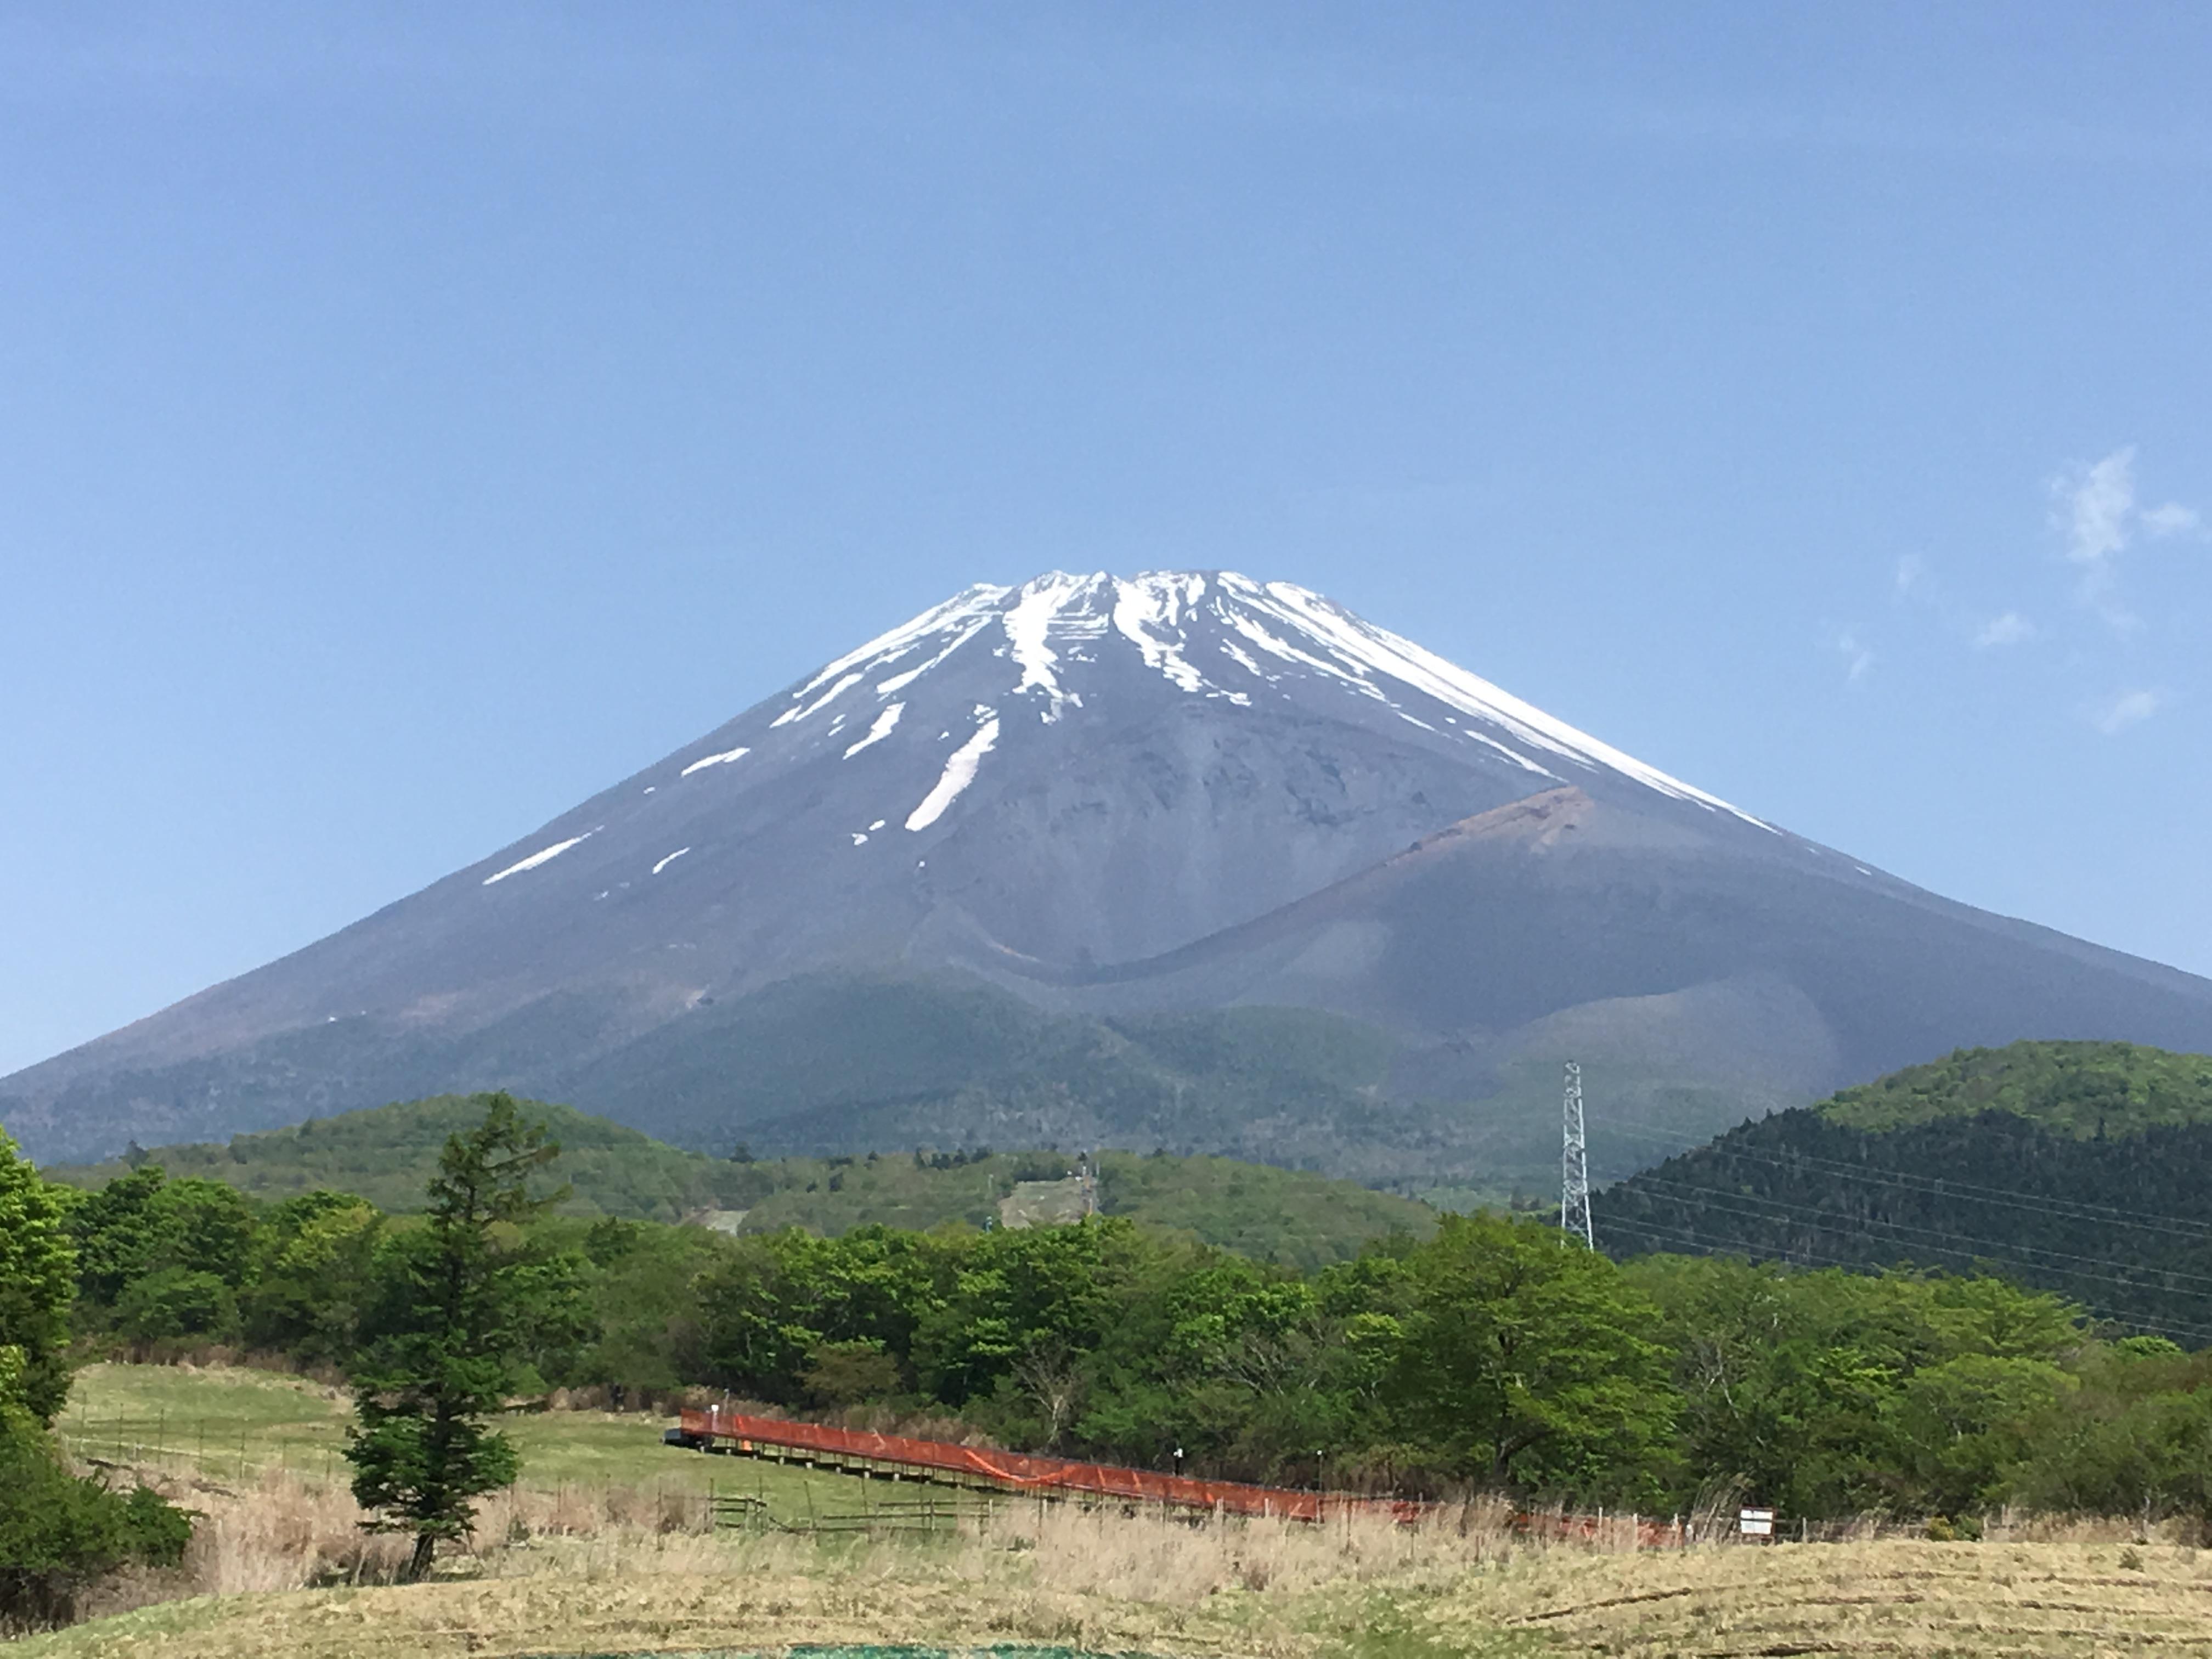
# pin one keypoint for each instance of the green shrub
(59, 1533)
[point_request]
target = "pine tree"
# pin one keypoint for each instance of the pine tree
(462, 1301)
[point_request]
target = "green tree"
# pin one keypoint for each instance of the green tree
(645, 1314)
(143, 1224)
(1017, 1295)
(1255, 1372)
(37, 1270)
(57, 1533)
(840, 1374)
(116, 1233)
(771, 1302)
(2135, 1440)
(753, 1311)
(1957, 1427)
(204, 1227)
(176, 1303)
(1528, 1362)
(313, 1262)
(1828, 1393)
(463, 1299)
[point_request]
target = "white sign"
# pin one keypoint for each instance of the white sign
(1755, 1523)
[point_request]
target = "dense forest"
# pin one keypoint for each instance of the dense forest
(2081, 1168)
(1490, 1354)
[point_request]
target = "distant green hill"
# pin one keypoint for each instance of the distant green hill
(2084, 1168)
(387, 1154)
(2079, 1089)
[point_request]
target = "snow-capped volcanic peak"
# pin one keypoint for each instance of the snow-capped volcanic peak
(1216, 636)
(1176, 793)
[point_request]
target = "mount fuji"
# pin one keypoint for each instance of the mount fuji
(1183, 859)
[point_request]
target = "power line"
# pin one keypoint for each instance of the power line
(1754, 1249)
(1769, 1248)
(1837, 1223)
(2166, 1329)
(1995, 1251)
(1943, 1186)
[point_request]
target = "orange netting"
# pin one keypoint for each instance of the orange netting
(1022, 1472)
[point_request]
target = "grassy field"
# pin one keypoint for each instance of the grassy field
(602, 1549)
(234, 1426)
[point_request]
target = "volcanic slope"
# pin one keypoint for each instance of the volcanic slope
(1055, 809)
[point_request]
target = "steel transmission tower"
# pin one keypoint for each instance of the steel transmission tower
(1574, 1161)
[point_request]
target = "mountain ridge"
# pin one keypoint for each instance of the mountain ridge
(1106, 797)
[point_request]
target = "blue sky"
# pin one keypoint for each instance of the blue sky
(413, 418)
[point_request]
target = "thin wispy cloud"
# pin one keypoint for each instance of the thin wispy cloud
(1913, 584)
(1857, 658)
(2098, 516)
(2129, 709)
(2172, 519)
(2097, 501)
(2010, 628)
(2097, 511)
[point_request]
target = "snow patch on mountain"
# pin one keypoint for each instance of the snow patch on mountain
(1245, 660)
(967, 630)
(801, 711)
(542, 856)
(880, 730)
(959, 772)
(1258, 632)
(1029, 627)
(971, 604)
(722, 759)
(1149, 611)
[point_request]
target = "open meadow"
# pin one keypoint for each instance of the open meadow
(603, 1548)
(230, 1428)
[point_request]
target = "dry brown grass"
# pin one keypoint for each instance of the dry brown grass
(1882, 1596)
(281, 1531)
(586, 1572)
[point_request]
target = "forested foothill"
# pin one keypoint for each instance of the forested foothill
(1490, 1354)
(387, 1155)
(2081, 1167)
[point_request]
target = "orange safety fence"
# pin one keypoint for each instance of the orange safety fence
(1022, 1472)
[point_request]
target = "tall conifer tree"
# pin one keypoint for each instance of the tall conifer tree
(465, 1298)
